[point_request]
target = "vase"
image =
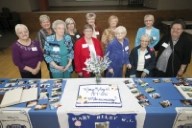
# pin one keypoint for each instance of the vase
(98, 78)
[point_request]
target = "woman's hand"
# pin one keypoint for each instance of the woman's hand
(66, 67)
(111, 71)
(129, 66)
(180, 73)
(143, 74)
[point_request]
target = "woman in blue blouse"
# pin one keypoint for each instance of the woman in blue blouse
(149, 30)
(58, 51)
(118, 50)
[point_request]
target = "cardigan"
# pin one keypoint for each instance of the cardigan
(82, 53)
(118, 55)
(149, 61)
(155, 35)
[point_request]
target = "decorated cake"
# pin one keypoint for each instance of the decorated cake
(102, 95)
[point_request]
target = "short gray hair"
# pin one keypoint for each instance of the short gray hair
(149, 16)
(57, 22)
(19, 26)
(145, 36)
(121, 29)
(43, 18)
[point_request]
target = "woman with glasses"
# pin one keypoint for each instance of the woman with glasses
(149, 30)
(142, 59)
(86, 47)
(118, 50)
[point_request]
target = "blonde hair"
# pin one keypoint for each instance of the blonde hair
(121, 29)
(149, 16)
(19, 26)
(57, 22)
(113, 17)
(69, 21)
(90, 15)
(43, 18)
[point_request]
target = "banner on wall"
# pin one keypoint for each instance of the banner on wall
(102, 121)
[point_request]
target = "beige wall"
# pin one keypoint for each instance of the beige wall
(20, 5)
(168, 4)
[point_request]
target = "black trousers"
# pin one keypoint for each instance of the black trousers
(30, 75)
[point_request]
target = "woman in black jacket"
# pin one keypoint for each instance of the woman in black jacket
(174, 52)
(142, 59)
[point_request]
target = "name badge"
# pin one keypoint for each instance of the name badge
(165, 45)
(84, 45)
(97, 33)
(147, 56)
(126, 48)
(154, 38)
(56, 49)
(34, 48)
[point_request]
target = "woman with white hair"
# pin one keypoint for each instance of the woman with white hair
(149, 30)
(142, 59)
(26, 53)
(58, 51)
(118, 51)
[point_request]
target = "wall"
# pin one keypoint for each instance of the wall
(174, 4)
(20, 5)
(129, 19)
(168, 4)
(85, 2)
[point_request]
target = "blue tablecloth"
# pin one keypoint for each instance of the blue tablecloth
(156, 115)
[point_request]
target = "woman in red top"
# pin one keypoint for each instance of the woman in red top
(84, 48)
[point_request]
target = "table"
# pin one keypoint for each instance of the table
(131, 114)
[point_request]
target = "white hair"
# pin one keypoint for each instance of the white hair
(19, 26)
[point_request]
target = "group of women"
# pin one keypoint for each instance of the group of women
(65, 50)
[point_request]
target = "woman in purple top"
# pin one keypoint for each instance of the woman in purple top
(27, 54)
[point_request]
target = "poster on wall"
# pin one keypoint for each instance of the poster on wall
(102, 121)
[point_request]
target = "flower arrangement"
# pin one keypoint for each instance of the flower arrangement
(97, 64)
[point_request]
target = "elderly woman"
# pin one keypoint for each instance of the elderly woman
(45, 31)
(58, 51)
(174, 52)
(142, 59)
(118, 51)
(90, 18)
(109, 34)
(148, 29)
(85, 47)
(27, 54)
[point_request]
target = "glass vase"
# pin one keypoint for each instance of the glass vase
(98, 78)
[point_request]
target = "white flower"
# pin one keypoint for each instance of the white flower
(97, 64)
